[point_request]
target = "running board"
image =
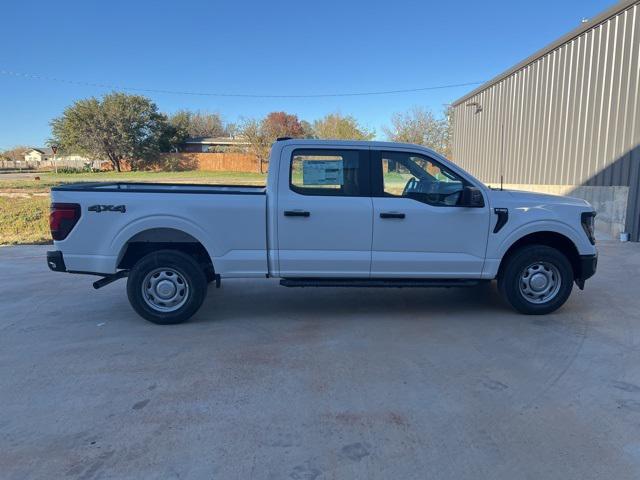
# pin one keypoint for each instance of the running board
(377, 282)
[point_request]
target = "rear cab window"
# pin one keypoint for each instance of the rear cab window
(330, 172)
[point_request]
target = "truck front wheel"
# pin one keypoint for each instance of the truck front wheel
(166, 287)
(536, 279)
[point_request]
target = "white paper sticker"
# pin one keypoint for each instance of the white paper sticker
(327, 172)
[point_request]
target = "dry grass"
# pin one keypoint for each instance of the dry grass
(24, 220)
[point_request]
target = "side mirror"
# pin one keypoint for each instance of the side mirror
(471, 197)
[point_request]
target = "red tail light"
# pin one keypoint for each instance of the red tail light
(63, 218)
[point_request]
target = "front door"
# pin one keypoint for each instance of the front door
(324, 213)
(418, 229)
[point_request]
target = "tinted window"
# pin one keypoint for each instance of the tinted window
(329, 172)
(421, 178)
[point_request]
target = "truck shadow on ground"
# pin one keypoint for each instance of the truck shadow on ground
(254, 299)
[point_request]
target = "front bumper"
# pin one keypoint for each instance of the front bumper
(55, 261)
(588, 266)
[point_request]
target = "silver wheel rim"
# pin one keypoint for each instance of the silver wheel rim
(165, 289)
(540, 282)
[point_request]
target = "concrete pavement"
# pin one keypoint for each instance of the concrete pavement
(274, 383)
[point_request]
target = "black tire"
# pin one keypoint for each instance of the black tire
(181, 269)
(516, 271)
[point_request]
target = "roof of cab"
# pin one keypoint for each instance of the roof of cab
(362, 143)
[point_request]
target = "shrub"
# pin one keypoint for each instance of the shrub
(170, 162)
(70, 170)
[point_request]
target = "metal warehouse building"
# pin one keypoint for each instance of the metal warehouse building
(565, 120)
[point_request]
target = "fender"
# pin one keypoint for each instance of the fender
(536, 226)
(495, 253)
(152, 222)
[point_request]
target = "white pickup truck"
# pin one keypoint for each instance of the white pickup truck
(333, 214)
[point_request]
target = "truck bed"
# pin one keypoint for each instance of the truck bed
(229, 221)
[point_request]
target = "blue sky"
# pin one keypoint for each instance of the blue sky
(264, 47)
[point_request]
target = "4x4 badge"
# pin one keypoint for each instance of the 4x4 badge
(107, 208)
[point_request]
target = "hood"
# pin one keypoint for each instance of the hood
(545, 199)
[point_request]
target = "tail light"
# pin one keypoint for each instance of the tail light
(63, 218)
(588, 219)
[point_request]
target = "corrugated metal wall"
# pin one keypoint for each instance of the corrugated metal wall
(570, 116)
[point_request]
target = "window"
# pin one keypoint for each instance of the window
(330, 172)
(414, 176)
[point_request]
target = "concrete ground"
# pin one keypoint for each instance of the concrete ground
(274, 383)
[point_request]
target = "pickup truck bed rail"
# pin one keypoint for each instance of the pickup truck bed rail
(143, 187)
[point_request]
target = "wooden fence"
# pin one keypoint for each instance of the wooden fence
(213, 162)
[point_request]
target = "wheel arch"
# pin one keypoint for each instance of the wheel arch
(148, 240)
(549, 238)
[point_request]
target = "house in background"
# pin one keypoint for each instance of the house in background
(214, 144)
(42, 157)
(36, 155)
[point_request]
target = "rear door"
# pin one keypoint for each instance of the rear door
(324, 212)
(419, 230)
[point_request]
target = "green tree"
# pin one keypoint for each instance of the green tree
(207, 125)
(340, 127)
(117, 127)
(419, 126)
(307, 129)
(199, 124)
(185, 124)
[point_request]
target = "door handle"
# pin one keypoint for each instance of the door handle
(392, 215)
(296, 213)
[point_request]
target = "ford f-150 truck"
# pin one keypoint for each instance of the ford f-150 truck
(333, 213)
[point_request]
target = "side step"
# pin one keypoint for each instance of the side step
(378, 282)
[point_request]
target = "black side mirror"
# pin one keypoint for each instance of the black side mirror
(471, 197)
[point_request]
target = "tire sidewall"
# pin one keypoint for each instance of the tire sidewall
(186, 266)
(509, 281)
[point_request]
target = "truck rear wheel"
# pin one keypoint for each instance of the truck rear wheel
(166, 287)
(536, 279)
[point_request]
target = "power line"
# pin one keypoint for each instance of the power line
(34, 76)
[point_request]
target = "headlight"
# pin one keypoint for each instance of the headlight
(587, 219)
